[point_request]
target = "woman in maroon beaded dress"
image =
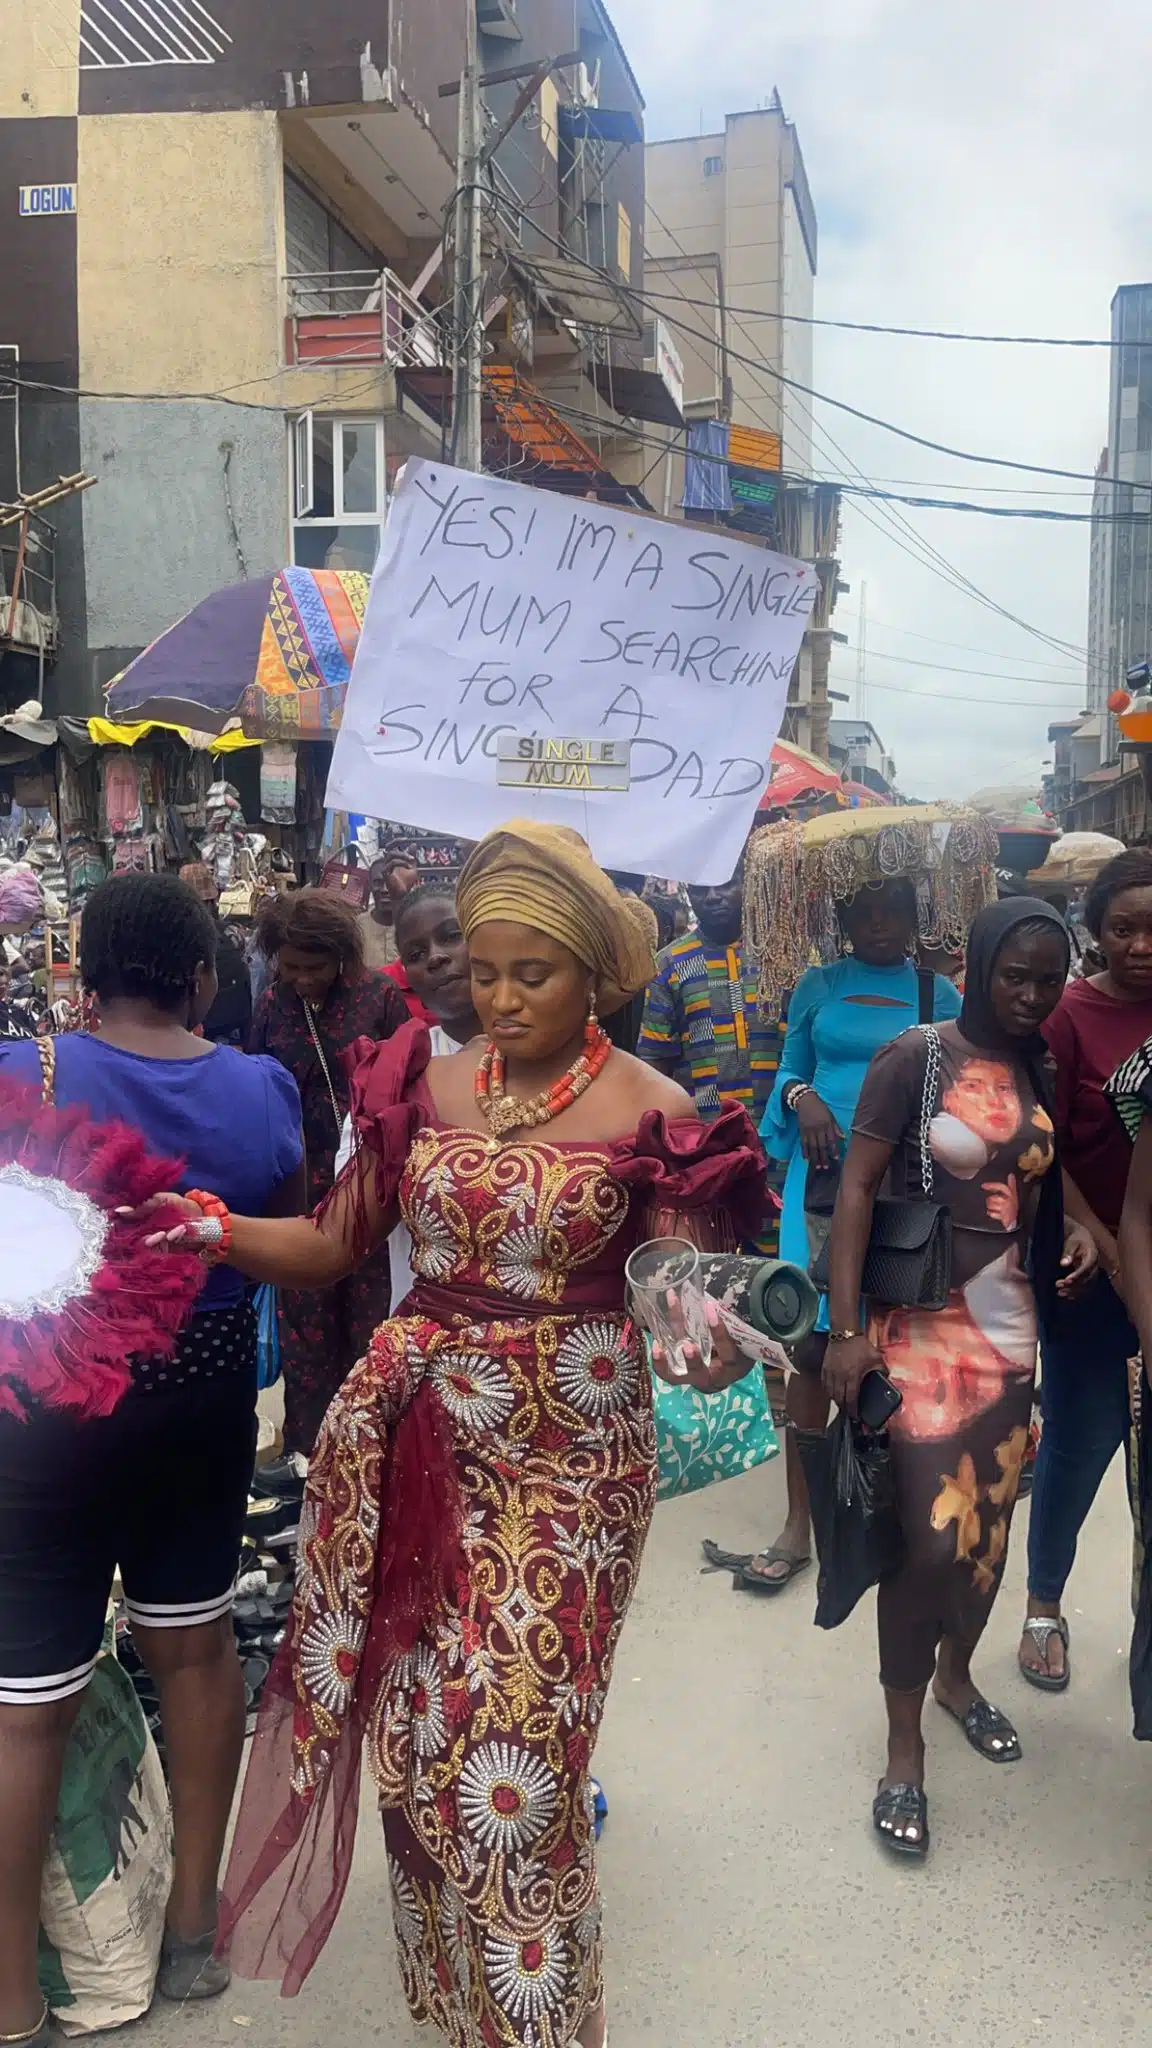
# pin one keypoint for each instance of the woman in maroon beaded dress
(484, 1480)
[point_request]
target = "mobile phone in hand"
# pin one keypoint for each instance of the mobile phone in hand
(878, 1400)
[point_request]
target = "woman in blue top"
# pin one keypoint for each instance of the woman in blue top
(838, 1017)
(159, 1488)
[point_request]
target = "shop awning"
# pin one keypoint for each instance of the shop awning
(106, 732)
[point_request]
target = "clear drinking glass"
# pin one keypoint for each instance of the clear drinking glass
(667, 1293)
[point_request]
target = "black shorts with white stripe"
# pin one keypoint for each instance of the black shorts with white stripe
(158, 1489)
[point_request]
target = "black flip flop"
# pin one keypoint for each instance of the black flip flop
(718, 1560)
(746, 1580)
(984, 1725)
(902, 1806)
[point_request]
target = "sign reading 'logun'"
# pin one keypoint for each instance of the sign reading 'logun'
(500, 614)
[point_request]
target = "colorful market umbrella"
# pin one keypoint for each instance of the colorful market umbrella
(276, 651)
(794, 773)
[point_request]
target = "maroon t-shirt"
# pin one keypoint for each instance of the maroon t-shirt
(1090, 1033)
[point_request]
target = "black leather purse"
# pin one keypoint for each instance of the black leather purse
(908, 1263)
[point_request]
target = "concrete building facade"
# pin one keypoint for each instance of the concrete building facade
(856, 748)
(233, 320)
(731, 257)
(732, 247)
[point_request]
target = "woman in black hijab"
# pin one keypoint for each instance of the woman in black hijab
(976, 1091)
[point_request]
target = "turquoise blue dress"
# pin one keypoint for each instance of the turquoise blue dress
(831, 1037)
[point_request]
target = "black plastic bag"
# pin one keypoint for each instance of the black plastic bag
(856, 1521)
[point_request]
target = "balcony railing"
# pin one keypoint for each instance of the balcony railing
(359, 316)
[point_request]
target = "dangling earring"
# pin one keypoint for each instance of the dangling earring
(592, 1027)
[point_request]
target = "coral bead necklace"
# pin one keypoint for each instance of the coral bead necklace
(504, 1113)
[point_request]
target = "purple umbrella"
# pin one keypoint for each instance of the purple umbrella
(277, 651)
(196, 673)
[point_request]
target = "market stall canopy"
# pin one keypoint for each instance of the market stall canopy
(105, 732)
(794, 772)
(276, 651)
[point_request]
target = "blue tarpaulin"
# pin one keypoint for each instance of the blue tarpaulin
(706, 484)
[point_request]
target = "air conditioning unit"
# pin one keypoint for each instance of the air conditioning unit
(586, 85)
(498, 18)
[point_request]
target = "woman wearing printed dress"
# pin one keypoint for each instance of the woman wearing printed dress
(838, 1017)
(966, 1372)
(323, 999)
(480, 1495)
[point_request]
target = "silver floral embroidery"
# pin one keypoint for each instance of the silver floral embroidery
(91, 1225)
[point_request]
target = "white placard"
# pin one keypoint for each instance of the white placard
(497, 609)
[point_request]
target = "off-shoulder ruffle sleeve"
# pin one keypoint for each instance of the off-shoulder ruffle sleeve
(388, 1096)
(690, 1166)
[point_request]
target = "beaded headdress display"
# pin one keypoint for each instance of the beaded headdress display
(796, 876)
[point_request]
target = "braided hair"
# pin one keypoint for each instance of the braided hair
(143, 937)
(432, 890)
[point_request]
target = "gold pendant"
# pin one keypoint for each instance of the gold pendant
(505, 1114)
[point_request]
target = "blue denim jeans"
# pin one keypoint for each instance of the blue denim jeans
(1084, 1404)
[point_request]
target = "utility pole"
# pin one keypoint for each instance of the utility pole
(862, 653)
(468, 365)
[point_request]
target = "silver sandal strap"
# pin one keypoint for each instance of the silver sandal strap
(1042, 1627)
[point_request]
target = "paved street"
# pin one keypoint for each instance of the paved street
(747, 1903)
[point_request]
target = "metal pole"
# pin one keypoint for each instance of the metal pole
(467, 377)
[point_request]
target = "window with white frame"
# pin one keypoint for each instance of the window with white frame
(338, 491)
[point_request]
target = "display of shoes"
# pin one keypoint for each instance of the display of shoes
(283, 1477)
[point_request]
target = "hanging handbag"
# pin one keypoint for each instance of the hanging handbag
(347, 875)
(908, 1261)
(701, 1438)
(325, 1069)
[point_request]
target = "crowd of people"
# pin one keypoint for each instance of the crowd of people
(440, 1148)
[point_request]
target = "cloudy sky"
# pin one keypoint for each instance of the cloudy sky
(981, 168)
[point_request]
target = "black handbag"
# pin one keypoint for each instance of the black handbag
(908, 1262)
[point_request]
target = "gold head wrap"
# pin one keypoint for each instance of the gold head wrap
(545, 876)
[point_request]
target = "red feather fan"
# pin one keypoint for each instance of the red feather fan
(132, 1304)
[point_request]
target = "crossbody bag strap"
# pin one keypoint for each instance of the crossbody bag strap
(928, 1097)
(925, 996)
(323, 1067)
(46, 1048)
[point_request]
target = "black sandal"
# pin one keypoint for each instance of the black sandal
(989, 1731)
(749, 1580)
(900, 1818)
(717, 1560)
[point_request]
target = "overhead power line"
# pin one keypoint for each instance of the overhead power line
(914, 333)
(955, 697)
(954, 646)
(892, 523)
(945, 668)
